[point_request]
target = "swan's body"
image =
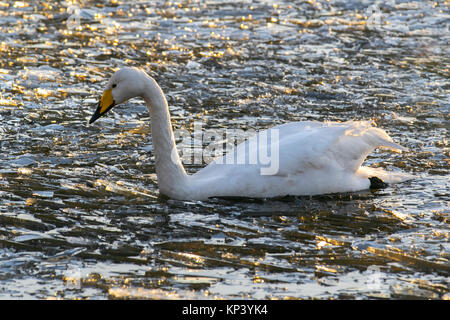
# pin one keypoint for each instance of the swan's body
(312, 157)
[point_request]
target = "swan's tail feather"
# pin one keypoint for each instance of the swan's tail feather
(382, 139)
(374, 137)
(386, 176)
(359, 140)
(393, 146)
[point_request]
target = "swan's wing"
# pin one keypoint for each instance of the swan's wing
(299, 147)
(332, 146)
(282, 145)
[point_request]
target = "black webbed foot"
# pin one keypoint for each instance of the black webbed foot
(377, 183)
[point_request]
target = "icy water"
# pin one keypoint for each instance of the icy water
(80, 211)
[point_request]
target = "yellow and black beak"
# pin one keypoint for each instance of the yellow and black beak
(105, 104)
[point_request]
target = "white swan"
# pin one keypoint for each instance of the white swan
(313, 158)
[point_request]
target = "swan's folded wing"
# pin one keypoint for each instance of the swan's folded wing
(334, 146)
(299, 147)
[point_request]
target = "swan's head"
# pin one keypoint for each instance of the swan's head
(125, 84)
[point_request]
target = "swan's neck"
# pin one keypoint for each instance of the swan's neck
(172, 177)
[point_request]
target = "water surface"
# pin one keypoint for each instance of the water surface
(80, 211)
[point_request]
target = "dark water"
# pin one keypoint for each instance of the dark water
(80, 212)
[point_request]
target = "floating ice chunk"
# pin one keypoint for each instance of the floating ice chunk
(193, 65)
(43, 73)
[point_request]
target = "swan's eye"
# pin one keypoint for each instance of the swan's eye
(114, 85)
